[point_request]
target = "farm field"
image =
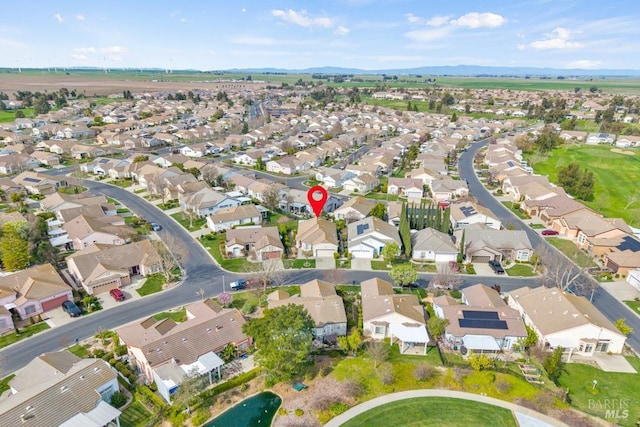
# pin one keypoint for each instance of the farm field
(616, 176)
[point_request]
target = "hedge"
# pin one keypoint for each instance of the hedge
(145, 395)
(232, 383)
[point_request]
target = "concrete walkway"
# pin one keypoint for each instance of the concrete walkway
(524, 416)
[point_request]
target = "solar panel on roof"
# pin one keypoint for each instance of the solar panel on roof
(482, 324)
(29, 179)
(486, 315)
(510, 163)
(629, 244)
(468, 210)
(361, 228)
(104, 160)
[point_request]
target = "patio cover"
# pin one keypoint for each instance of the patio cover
(409, 333)
(205, 363)
(100, 416)
(480, 342)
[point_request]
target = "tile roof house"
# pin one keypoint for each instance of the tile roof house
(484, 245)
(166, 351)
(322, 303)
(100, 268)
(482, 323)
(61, 389)
(35, 183)
(84, 230)
(448, 189)
(433, 245)
(368, 236)
(206, 201)
(566, 320)
(389, 315)
(405, 187)
(316, 237)
(463, 214)
(228, 218)
(33, 291)
(363, 184)
(354, 209)
(261, 242)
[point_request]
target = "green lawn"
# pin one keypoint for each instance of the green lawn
(521, 270)
(74, 189)
(570, 249)
(4, 383)
(634, 305)
(141, 190)
(152, 285)
(378, 196)
(79, 350)
(170, 204)
(183, 219)
(212, 243)
(122, 183)
(25, 332)
(136, 415)
(178, 316)
(382, 265)
(434, 411)
(299, 263)
(518, 212)
(578, 378)
(615, 177)
(10, 116)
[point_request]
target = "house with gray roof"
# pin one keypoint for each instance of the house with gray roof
(368, 236)
(484, 245)
(434, 246)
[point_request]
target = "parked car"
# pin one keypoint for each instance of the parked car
(155, 226)
(238, 284)
(71, 309)
(496, 267)
(549, 233)
(117, 294)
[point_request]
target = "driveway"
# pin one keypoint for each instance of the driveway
(325, 263)
(361, 264)
(613, 363)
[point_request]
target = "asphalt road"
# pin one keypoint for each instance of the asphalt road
(608, 305)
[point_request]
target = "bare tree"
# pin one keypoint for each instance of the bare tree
(271, 198)
(563, 274)
(170, 258)
(158, 186)
(268, 273)
(378, 352)
(447, 277)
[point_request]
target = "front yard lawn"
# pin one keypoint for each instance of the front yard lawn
(74, 189)
(136, 415)
(299, 263)
(178, 316)
(578, 379)
(183, 219)
(79, 350)
(25, 332)
(379, 196)
(382, 265)
(634, 305)
(518, 212)
(152, 285)
(170, 204)
(122, 183)
(521, 270)
(570, 249)
(4, 383)
(212, 243)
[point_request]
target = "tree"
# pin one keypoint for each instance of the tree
(225, 298)
(379, 211)
(390, 252)
(170, 258)
(271, 198)
(14, 245)
(553, 364)
(403, 274)
(530, 341)
(622, 326)
(268, 273)
(140, 158)
(41, 105)
(259, 164)
(446, 278)
(229, 353)
(245, 128)
(351, 343)
(378, 352)
(437, 327)
(192, 384)
(284, 341)
(19, 114)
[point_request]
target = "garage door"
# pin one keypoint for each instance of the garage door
(271, 255)
(324, 253)
(54, 303)
(104, 288)
(361, 253)
(480, 259)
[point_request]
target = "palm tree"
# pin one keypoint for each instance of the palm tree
(229, 353)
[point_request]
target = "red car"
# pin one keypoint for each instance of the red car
(549, 233)
(117, 294)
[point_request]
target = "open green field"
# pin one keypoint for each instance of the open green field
(434, 411)
(578, 379)
(10, 116)
(616, 177)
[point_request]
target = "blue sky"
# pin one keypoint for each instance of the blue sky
(367, 34)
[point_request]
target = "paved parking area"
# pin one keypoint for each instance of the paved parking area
(483, 269)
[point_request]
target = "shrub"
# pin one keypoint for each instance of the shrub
(282, 412)
(424, 372)
(98, 353)
(299, 412)
(248, 307)
(480, 362)
(338, 408)
(387, 376)
(118, 399)
(112, 362)
(456, 294)
(132, 378)
(326, 370)
(120, 366)
(244, 387)
(200, 417)
(120, 350)
(149, 398)
(503, 386)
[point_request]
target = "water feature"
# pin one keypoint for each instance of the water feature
(257, 410)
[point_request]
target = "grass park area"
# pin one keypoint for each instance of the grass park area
(434, 411)
(25, 332)
(578, 379)
(183, 219)
(520, 270)
(10, 115)
(634, 305)
(135, 415)
(152, 284)
(616, 194)
(570, 249)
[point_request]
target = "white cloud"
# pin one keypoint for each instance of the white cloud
(438, 21)
(428, 35)
(79, 56)
(413, 19)
(80, 17)
(252, 41)
(184, 20)
(559, 38)
(243, 10)
(475, 20)
(302, 18)
(58, 17)
(584, 63)
(341, 30)
(84, 50)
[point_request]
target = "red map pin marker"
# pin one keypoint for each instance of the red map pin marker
(317, 198)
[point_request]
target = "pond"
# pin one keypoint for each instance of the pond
(257, 410)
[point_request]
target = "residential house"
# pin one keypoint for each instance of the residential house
(463, 214)
(33, 291)
(433, 246)
(6, 319)
(166, 351)
(261, 242)
(363, 184)
(228, 218)
(552, 209)
(36, 183)
(368, 236)
(448, 189)
(354, 209)
(333, 178)
(316, 237)
(482, 244)
(359, 169)
(80, 152)
(399, 317)
(562, 319)
(84, 230)
(14, 163)
(101, 268)
(325, 307)
(482, 323)
(205, 202)
(289, 165)
(405, 187)
(61, 389)
(600, 138)
(297, 202)
(47, 159)
(422, 174)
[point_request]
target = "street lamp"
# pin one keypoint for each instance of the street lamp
(223, 287)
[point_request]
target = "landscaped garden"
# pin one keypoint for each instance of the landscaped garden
(299, 263)
(214, 244)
